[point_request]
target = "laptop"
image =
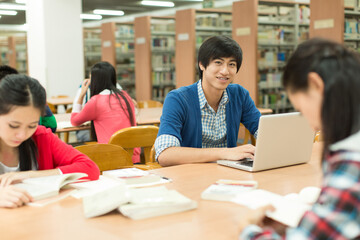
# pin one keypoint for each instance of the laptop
(283, 139)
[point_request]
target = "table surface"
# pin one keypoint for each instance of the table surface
(211, 220)
(60, 100)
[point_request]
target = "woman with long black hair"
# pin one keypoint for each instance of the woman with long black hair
(109, 108)
(28, 150)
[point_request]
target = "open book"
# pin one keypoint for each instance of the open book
(139, 203)
(45, 187)
(289, 209)
(227, 190)
(135, 177)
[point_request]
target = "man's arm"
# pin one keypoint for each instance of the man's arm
(181, 155)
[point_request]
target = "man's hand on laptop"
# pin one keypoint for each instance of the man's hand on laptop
(240, 152)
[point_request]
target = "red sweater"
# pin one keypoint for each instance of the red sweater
(54, 153)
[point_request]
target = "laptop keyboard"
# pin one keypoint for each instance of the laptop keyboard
(246, 162)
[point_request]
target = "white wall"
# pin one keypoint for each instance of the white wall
(55, 45)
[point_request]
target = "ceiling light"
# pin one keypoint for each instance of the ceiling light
(90, 16)
(5, 12)
(9, 6)
(108, 12)
(21, 1)
(158, 3)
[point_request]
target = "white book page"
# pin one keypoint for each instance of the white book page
(287, 211)
(126, 173)
(102, 202)
(55, 181)
(157, 201)
(90, 187)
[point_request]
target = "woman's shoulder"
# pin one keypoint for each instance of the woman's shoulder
(41, 130)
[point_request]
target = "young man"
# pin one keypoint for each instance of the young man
(200, 122)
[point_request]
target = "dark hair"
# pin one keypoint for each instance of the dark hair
(339, 68)
(20, 90)
(218, 47)
(103, 76)
(6, 70)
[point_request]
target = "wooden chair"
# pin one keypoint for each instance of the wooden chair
(107, 156)
(52, 108)
(248, 136)
(138, 136)
(149, 104)
(66, 134)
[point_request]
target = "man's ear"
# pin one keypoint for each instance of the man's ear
(315, 82)
(202, 68)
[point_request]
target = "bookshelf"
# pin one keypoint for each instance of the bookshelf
(193, 26)
(163, 57)
(268, 32)
(92, 48)
(117, 48)
(17, 53)
(125, 57)
(351, 24)
(154, 57)
(4, 48)
(338, 21)
(327, 19)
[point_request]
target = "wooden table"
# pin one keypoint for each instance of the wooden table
(64, 119)
(265, 111)
(148, 116)
(56, 101)
(212, 220)
(143, 117)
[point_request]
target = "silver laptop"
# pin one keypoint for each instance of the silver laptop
(283, 140)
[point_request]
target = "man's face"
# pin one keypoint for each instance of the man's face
(219, 73)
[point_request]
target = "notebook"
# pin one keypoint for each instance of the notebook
(283, 139)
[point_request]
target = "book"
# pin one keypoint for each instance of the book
(136, 203)
(289, 209)
(227, 190)
(135, 177)
(156, 201)
(90, 187)
(45, 187)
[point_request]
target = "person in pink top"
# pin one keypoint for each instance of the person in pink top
(28, 150)
(109, 108)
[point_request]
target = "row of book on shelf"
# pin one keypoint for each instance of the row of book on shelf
(275, 100)
(163, 78)
(165, 43)
(139, 194)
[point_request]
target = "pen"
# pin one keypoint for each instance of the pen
(169, 179)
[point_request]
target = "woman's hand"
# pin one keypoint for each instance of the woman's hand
(12, 197)
(84, 87)
(13, 177)
(255, 217)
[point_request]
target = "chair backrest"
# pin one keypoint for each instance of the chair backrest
(52, 108)
(137, 136)
(149, 104)
(107, 156)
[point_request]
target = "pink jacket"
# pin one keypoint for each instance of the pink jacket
(54, 153)
(107, 118)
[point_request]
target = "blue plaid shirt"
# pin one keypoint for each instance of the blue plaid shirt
(213, 126)
(336, 214)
